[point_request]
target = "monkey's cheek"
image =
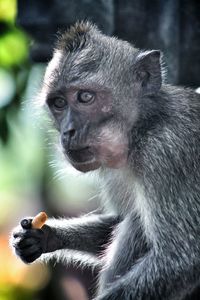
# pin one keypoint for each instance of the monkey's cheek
(117, 162)
(113, 157)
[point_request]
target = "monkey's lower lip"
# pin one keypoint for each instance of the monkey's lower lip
(81, 155)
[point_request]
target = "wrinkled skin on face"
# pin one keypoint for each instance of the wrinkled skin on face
(91, 137)
(110, 150)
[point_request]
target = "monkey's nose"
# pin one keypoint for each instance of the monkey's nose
(67, 136)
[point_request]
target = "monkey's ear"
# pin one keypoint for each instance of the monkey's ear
(148, 71)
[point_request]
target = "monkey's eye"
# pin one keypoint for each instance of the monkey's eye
(59, 103)
(85, 97)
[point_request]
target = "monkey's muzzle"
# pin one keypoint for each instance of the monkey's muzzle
(83, 159)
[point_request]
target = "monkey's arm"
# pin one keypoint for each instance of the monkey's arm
(167, 272)
(153, 278)
(88, 234)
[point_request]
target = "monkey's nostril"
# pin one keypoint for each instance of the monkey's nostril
(69, 133)
(72, 132)
(67, 136)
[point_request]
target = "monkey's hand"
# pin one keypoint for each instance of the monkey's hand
(30, 243)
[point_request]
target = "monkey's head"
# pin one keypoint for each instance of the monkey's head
(93, 86)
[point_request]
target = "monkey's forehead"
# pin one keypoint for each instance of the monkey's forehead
(84, 54)
(84, 35)
(100, 59)
(77, 36)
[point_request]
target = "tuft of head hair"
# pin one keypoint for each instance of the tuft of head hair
(76, 36)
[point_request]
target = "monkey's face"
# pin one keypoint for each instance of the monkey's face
(94, 87)
(90, 133)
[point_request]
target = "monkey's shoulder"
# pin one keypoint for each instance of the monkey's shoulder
(181, 95)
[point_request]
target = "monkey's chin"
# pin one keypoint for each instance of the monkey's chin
(86, 166)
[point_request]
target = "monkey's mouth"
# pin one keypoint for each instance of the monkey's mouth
(83, 159)
(80, 155)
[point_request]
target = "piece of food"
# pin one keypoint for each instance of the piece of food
(39, 220)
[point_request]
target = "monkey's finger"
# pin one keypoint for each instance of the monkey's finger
(36, 233)
(17, 234)
(26, 223)
(28, 251)
(25, 242)
(31, 257)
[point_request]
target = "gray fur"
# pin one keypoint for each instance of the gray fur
(154, 251)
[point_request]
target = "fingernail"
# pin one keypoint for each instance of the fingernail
(26, 223)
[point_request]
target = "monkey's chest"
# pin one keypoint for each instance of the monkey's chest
(118, 192)
(124, 195)
(120, 199)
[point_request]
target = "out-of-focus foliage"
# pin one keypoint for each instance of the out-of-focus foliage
(13, 42)
(7, 10)
(13, 47)
(7, 87)
(19, 175)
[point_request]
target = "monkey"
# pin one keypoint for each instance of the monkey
(117, 117)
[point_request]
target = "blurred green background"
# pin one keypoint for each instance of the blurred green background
(33, 176)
